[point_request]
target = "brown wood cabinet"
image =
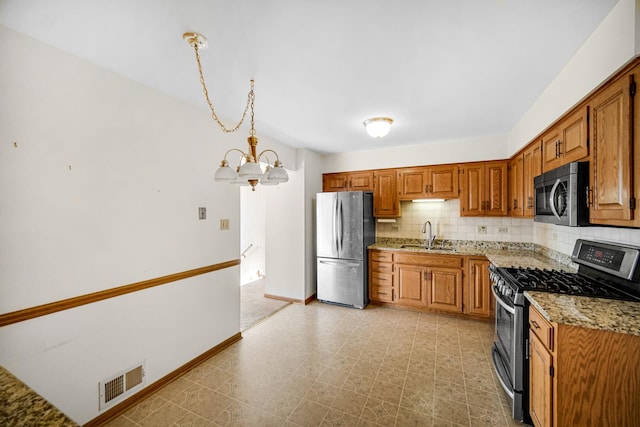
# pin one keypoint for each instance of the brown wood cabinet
(580, 376)
(523, 167)
(431, 282)
(516, 186)
(381, 276)
(385, 194)
(428, 182)
(480, 300)
(348, 181)
(615, 162)
(531, 167)
(567, 141)
(484, 189)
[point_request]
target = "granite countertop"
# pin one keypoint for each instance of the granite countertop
(21, 406)
(593, 313)
(500, 254)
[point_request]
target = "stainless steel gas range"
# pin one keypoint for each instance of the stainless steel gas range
(605, 270)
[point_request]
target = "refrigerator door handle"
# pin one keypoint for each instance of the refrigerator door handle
(341, 228)
(334, 224)
(341, 263)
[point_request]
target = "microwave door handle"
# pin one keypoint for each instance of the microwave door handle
(552, 203)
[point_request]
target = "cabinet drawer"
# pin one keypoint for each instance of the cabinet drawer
(430, 260)
(381, 293)
(381, 256)
(541, 327)
(381, 279)
(381, 267)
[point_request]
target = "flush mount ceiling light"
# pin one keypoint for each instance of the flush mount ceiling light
(377, 127)
(248, 170)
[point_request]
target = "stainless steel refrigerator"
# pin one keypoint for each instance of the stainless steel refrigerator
(344, 228)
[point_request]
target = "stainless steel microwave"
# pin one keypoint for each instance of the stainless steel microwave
(561, 195)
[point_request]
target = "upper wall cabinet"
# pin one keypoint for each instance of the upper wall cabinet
(385, 194)
(348, 181)
(483, 189)
(567, 141)
(428, 182)
(615, 154)
(522, 169)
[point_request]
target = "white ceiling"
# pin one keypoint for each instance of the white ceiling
(443, 69)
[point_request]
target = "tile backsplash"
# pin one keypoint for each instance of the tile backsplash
(448, 225)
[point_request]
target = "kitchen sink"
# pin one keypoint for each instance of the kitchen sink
(426, 248)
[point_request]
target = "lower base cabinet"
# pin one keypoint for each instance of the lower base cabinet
(581, 376)
(431, 282)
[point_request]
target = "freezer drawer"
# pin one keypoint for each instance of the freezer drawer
(342, 282)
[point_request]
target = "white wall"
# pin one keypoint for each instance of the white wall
(102, 190)
(290, 230)
(433, 153)
(610, 46)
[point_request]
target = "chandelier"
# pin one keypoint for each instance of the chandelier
(248, 170)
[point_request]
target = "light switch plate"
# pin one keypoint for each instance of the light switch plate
(224, 224)
(202, 213)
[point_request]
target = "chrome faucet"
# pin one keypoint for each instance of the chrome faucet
(430, 237)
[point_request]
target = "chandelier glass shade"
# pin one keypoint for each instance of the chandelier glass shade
(248, 171)
(377, 127)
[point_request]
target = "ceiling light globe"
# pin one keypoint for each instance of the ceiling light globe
(225, 173)
(377, 127)
(250, 170)
(278, 174)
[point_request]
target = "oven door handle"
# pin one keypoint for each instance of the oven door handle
(552, 198)
(503, 304)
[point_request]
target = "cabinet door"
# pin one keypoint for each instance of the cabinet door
(472, 196)
(479, 302)
(516, 190)
(442, 182)
(334, 182)
(540, 383)
(496, 189)
(573, 136)
(361, 181)
(551, 149)
(411, 285)
(413, 183)
(444, 289)
(531, 167)
(611, 177)
(385, 194)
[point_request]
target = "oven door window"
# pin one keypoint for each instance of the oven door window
(504, 336)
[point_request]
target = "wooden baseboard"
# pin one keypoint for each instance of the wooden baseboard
(121, 407)
(279, 298)
(310, 299)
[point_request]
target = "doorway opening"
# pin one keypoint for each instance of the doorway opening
(254, 307)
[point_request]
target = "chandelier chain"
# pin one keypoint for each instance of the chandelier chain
(250, 101)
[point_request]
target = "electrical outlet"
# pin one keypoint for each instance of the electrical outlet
(481, 229)
(202, 213)
(503, 230)
(224, 224)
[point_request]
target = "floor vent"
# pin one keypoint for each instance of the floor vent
(116, 388)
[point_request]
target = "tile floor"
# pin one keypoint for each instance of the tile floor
(323, 365)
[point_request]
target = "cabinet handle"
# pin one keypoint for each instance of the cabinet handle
(535, 324)
(515, 203)
(589, 196)
(426, 188)
(530, 202)
(382, 293)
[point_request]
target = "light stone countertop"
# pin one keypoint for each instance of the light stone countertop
(593, 313)
(500, 254)
(21, 406)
